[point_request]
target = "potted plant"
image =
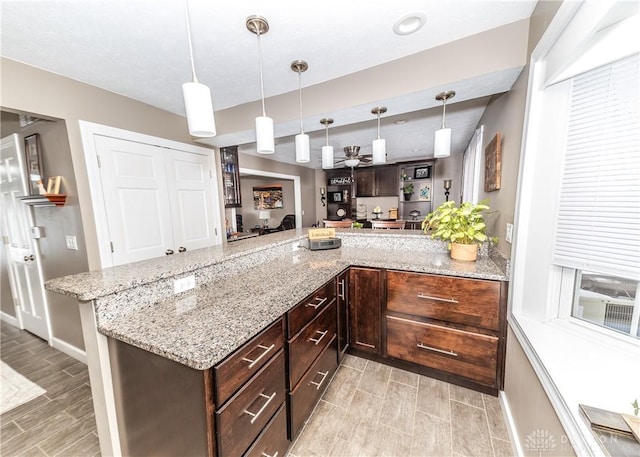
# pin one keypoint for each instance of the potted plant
(407, 190)
(463, 227)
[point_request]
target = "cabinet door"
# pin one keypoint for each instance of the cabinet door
(386, 181)
(343, 312)
(365, 292)
(365, 182)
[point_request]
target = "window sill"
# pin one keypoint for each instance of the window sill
(577, 365)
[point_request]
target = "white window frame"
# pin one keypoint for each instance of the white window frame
(471, 167)
(576, 362)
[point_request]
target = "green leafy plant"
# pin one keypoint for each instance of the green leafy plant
(407, 188)
(357, 225)
(462, 224)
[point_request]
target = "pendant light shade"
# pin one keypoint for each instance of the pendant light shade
(442, 140)
(303, 153)
(352, 162)
(327, 151)
(197, 98)
(379, 144)
(265, 143)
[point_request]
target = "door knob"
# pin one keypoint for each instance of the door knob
(168, 252)
(28, 257)
(182, 249)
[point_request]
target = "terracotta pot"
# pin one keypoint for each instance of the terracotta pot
(464, 252)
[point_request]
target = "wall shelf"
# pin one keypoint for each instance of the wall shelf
(45, 200)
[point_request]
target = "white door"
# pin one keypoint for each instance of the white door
(190, 182)
(25, 272)
(136, 199)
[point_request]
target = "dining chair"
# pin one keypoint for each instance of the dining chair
(337, 224)
(387, 224)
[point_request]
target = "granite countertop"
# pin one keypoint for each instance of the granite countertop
(199, 328)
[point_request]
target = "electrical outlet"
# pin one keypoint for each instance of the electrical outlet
(184, 284)
(71, 242)
(509, 234)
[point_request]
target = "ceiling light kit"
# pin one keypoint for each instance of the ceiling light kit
(303, 154)
(409, 23)
(264, 125)
(327, 150)
(379, 144)
(197, 97)
(442, 143)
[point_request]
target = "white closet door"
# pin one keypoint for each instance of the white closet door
(190, 183)
(136, 199)
(25, 270)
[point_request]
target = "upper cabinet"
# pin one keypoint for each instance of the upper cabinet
(230, 177)
(379, 181)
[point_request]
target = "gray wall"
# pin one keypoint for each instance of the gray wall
(57, 260)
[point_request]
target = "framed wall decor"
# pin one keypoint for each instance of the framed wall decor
(53, 185)
(492, 164)
(424, 192)
(335, 197)
(268, 197)
(422, 173)
(33, 154)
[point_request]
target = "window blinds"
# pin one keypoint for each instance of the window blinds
(598, 224)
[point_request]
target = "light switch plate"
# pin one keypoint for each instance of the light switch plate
(509, 234)
(71, 242)
(184, 284)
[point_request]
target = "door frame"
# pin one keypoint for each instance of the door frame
(88, 130)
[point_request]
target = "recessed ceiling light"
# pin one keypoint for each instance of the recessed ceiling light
(400, 121)
(409, 23)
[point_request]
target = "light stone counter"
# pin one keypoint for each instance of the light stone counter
(242, 287)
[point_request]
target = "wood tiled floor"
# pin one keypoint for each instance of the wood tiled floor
(371, 409)
(60, 422)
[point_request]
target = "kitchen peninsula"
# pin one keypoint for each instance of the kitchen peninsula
(149, 346)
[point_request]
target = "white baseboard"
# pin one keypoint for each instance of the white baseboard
(511, 425)
(69, 349)
(9, 319)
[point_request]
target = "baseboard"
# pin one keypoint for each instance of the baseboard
(69, 349)
(9, 319)
(511, 425)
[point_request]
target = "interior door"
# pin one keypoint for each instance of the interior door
(136, 199)
(25, 272)
(190, 182)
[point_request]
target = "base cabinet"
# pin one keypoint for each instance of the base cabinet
(273, 441)
(342, 295)
(365, 305)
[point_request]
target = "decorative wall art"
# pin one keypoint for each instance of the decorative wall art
(424, 192)
(267, 197)
(34, 164)
(422, 173)
(492, 164)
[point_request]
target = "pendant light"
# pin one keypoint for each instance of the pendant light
(379, 144)
(302, 139)
(442, 141)
(197, 98)
(265, 143)
(327, 151)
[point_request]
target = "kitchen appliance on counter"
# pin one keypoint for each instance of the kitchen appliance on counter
(323, 238)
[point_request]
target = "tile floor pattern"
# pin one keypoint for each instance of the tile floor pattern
(371, 409)
(60, 422)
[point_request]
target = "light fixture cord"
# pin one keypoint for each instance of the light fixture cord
(326, 129)
(300, 97)
(193, 67)
(264, 113)
(444, 110)
(378, 124)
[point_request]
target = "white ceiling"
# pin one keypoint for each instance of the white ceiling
(139, 49)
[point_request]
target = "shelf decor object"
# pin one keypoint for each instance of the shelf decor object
(265, 143)
(33, 153)
(197, 98)
(424, 192)
(447, 188)
(422, 173)
(492, 165)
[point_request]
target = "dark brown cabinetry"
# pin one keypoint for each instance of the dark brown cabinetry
(453, 325)
(377, 181)
(343, 312)
(365, 297)
(313, 352)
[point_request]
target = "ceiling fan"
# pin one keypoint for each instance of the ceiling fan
(352, 157)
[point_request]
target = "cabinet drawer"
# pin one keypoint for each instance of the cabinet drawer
(305, 347)
(246, 361)
(310, 307)
(242, 419)
(466, 354)
(474, 302)
(273, 440)
(308, 391)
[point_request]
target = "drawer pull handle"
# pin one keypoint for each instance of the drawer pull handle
(317, 340)
(264, 454)
(341, 293)
(429, 297)
(253, 362)
(254, 416)
(441, 351)
(317, 305)
(324, 376)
